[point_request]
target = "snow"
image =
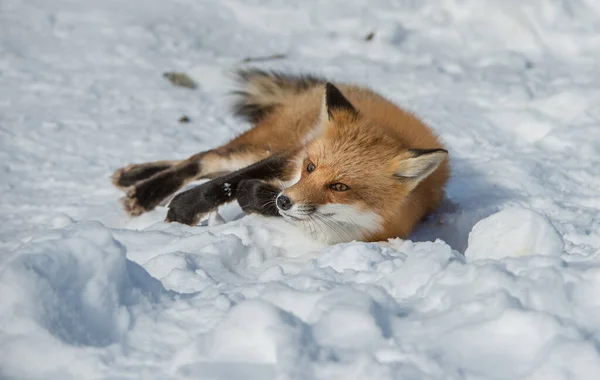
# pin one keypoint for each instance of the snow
(513, 232)
(502, 283)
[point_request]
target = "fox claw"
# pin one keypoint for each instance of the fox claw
(131, 204)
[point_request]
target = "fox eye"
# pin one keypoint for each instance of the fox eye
(310, 167)
(339, 187)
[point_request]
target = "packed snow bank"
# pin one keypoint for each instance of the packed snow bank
(513, 232)
(512, 88)
(73, 287)
(242, 302)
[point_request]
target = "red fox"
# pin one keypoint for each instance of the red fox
(339, 161)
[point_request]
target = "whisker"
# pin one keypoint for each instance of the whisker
(347, 230)
(330, 224)
(321, 226)
(316, 224)
(268, 203)
(279, 184)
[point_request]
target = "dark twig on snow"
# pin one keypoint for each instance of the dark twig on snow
(264, 58)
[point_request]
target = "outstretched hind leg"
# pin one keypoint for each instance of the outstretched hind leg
(146, 194)
(131, 174)
(250, 147)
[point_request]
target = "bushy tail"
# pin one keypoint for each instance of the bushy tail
(262, 91)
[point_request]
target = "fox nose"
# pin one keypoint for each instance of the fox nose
(283, 202)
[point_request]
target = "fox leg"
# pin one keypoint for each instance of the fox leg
(257, 196)
(146, 194)
(131, 174)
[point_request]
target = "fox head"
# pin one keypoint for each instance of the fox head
(354, 176)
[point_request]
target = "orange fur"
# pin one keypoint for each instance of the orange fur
(393, 164)
(362, 152)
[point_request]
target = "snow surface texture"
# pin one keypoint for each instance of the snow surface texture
(513, 88)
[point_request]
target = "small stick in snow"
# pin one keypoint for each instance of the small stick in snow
(262, 59)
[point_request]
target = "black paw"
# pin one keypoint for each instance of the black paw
(146, 195)
(189, 206)
(256, 196)
(180, 215)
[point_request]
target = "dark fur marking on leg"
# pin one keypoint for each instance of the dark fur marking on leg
(189, 206)
(128, 176)
(147, 194)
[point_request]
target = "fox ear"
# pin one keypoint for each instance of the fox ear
(419, 164)
(334, 101)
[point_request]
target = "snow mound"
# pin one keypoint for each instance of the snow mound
(71, 288)
(253, 340)
(513, 232)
